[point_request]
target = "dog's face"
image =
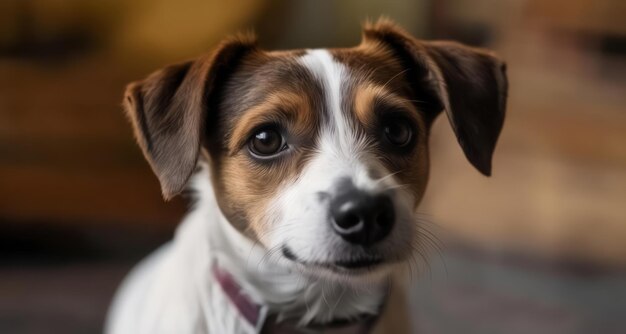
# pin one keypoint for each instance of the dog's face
(320, 155)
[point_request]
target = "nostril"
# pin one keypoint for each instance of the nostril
(382, 219)
(386, 214)
(349, 220)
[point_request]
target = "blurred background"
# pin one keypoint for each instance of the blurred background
(539, 247)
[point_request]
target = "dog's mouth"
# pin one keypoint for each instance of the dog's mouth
(360, 264)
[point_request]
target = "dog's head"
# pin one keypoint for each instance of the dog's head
(320, 155)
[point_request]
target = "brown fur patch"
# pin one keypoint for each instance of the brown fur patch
(290, 109)
(372, 103)
(270, 87)
(167, 111)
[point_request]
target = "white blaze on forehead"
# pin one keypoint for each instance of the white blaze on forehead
(332, 76)
(340, 147)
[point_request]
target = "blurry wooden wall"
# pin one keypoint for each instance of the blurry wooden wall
(67, 155)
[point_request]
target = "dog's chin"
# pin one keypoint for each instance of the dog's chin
(366, 269)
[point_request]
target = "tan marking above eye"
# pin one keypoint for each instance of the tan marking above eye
(285, 108)
(372, 99)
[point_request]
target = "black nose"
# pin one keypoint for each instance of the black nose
(361, 218)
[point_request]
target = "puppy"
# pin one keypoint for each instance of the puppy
(307, 168)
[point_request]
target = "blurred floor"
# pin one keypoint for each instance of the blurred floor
(69, 298)
(471, 292)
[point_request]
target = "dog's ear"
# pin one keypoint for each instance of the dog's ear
(168, 111)
(470, 84)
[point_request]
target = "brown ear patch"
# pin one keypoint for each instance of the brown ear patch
(168, 109)
(476, 86)
(469, 84)
(168, 80)
(158, 126)
(399, 45)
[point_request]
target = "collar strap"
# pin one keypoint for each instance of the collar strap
(255, 313)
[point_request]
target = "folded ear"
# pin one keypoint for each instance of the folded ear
(169, 107)
(470, 84)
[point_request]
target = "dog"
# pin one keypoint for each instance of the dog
(307, 168)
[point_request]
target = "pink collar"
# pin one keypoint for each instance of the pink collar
(255, 314)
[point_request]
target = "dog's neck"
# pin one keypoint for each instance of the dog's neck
(289, 293)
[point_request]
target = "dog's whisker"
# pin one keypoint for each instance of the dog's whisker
(388, 176)
(397, 186)
(437, 242)
(393, 77)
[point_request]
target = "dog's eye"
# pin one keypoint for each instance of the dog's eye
(266, 142)
(398, 131)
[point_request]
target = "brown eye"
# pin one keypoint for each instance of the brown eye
(398, 132)
(266, 142)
